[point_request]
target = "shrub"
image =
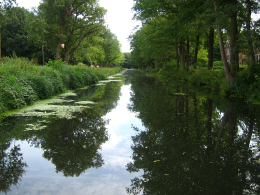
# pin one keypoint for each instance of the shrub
(218, 65)
(22, 83)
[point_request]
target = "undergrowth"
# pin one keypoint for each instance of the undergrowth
(246, 84)
(212, 80)
(22, 83)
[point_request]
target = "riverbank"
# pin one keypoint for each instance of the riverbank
(245, 84)
(22, 83)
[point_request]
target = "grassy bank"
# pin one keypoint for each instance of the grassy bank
(22, 83)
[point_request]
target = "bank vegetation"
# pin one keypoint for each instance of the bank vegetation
(22, 83)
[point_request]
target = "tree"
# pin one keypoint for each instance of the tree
(128, 61)
(111, 46)
(14, 37)
(3, 5)
(91, 50)
(70, 22)
(36, 29)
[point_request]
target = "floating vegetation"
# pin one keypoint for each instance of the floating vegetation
(57, 101)
(50, 108)
(99, 84)
(70, 93)
(43, 110)
(85, 102)
(34, 127)
(107, 81)
(111, 77)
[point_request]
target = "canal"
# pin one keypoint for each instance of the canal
(132, 134)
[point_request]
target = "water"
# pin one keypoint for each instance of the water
(137, 136)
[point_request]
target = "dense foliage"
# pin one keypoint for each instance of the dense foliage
(185, 35)
(70, 30)
(22, 83)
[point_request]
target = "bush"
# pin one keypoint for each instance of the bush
(22, 83)
(218, 65)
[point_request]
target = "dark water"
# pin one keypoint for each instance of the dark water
(140, 136)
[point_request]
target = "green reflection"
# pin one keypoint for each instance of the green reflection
(192, 144)
(11, 166)
(70, 143)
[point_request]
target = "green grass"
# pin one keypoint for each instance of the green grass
(22, 83)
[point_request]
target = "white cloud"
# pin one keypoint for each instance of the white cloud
(119, 19)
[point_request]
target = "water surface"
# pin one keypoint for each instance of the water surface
(135, 136)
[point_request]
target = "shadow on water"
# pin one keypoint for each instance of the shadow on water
(192, 143)
(69, 129)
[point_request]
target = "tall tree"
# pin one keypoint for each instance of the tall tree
(14, 36)
(111, 47)
(36, 29)
(70, 22)
(5, 4)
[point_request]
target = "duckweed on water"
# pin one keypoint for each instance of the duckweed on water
(85, 102)
(99, 84)
(70, 93)
(107, 81)
(44, 110)
(34, 127)
(50, 108)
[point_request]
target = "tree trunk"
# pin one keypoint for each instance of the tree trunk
(223, 53)
(43, 54)
(210, 49)
(234, 65)
(177, 56)
(188, 55)
(196, 52)
(248, 25)
(58, 49)
(67, 50)
(67, 56)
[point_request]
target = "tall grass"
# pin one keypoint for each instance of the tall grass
(22, 83)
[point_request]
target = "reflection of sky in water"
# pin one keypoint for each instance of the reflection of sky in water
(120, 132)
(112, 178)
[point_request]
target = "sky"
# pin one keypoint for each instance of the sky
(118, 18)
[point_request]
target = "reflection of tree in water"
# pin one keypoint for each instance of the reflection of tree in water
(188, 147)
(11, 166)
(72, 145)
